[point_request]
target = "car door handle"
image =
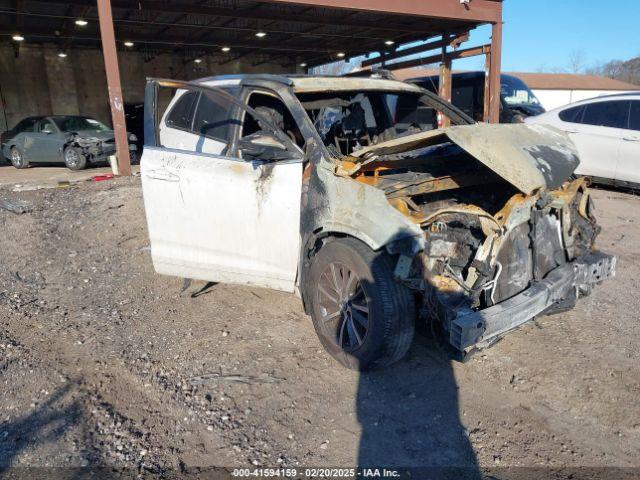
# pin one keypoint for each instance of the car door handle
(571, 131)
(631, 139)
(164, 175)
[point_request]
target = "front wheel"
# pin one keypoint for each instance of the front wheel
(74, 159)
(17, 158)
(363, 317)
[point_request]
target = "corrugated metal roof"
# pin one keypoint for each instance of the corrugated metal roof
(313, 32)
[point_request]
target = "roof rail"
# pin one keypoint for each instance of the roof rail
(373, 72)
(244, 78)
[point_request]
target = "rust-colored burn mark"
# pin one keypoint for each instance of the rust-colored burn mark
(237, 167)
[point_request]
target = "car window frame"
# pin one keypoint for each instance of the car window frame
(191, 117)
(152, 122)
(17, 130)
(244, 95)
(573, 107)
(633, 102)
(625, 126)
(47, 120)
(231, 127)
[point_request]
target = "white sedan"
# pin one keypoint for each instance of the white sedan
(606, 132)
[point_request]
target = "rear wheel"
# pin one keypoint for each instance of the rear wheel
(74, 159)
(363, 317)
(17, 158)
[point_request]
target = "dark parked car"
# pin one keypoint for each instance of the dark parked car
(517, 101)
(74, 140)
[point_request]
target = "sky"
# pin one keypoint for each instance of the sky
(543, 35)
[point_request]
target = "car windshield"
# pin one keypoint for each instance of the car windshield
(76, 124)
(349, 120)
(515, 92)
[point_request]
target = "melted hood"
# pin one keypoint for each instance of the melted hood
(529, 157)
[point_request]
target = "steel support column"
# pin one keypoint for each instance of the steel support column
(113, 83)
(487, 87)
(494, 73)
(445, 83)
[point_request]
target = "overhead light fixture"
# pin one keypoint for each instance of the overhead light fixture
(81, 22)
(128, 44)
(340, 54)
(261, 34)
(225, 49)
(18, 38)
(303, 64)
(198, 60)
(62, 55)
(389, 42)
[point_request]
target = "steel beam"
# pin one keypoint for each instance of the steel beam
(174, 41)
(479, 11)
(418, 49)
(494, 73)
(115, 89)
(445, 82)
(468, 52)
(487, 87)
(253, 14)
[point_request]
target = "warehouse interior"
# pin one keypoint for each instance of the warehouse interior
(52, 52)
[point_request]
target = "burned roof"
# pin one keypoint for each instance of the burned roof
(316, 83)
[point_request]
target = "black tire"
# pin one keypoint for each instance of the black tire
(365, 282)
(74, 159)
(17, 158)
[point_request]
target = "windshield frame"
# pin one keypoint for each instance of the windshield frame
(423, 98)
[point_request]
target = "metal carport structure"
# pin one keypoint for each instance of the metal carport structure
(298, 34)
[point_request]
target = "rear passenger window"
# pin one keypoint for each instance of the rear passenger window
(607, 114)
(634, 119)
(572, 115)
(26, 125)
(213, 117)
(182, 112)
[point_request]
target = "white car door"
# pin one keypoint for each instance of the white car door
(598, 136)
(629, 159)
(214, 216)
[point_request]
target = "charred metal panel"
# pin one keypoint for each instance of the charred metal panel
(530, 157)
(516, 264)
(483, 326)
(548, 251)
(341, 205)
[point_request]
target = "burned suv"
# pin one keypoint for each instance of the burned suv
(344, 191)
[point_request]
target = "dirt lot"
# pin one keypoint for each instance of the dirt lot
(103, 362)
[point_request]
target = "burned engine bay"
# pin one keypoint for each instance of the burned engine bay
(485, 240)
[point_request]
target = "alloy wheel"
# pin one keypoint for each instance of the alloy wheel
(16, 157)
(343, 306)
(71, 157)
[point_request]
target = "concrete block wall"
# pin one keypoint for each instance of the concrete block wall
(38, 82)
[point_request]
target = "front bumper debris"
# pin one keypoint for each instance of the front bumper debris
(480, 328)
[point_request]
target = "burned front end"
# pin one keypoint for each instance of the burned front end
(507, 233)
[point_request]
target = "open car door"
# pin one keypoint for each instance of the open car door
(220, 208)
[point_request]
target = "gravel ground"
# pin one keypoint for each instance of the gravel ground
(105, 363)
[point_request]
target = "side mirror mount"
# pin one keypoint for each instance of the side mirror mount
(264, 146)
